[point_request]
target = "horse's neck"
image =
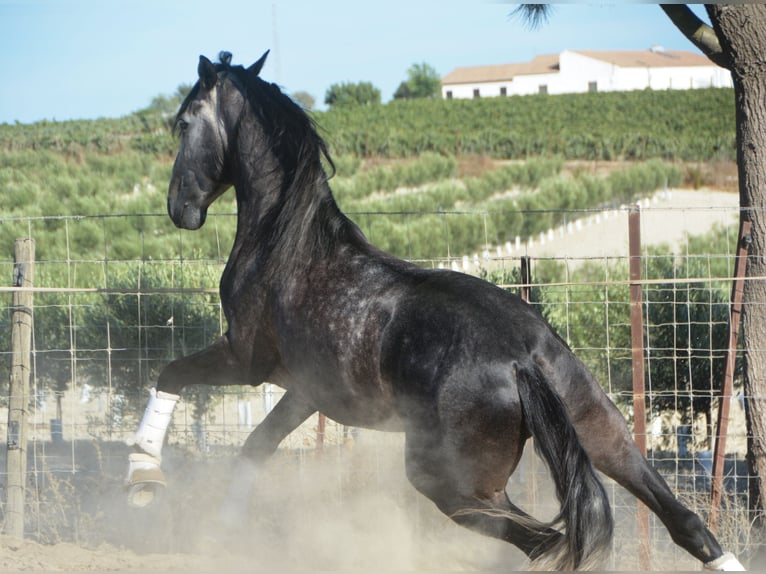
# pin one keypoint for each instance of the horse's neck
(280, 221)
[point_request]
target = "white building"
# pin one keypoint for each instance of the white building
(574, 71)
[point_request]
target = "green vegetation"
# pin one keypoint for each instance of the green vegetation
(517, 200)
(670, 125)
(305, 99)
(349, 95)
(404, 196)
(145, 132)
(422, 81)
(688, 125)
(411, 201)
(121, 339)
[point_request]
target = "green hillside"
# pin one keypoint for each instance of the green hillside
(400, 171)
(671, 125)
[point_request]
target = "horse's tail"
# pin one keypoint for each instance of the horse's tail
(585, 511)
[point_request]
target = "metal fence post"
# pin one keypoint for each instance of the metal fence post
(722, 428)
(639, 393)
(526, 295)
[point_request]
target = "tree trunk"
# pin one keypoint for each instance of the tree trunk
(741, 29)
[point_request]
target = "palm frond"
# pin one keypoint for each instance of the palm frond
(533, 15)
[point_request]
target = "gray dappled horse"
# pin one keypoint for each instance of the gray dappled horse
(465, 369)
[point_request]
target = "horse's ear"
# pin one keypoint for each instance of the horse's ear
(255, 69)
(207, 73)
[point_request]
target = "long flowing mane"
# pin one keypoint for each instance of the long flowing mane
(292, 138)
(292, 134)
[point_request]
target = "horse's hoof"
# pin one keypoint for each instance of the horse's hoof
(726, 562)
(145, 482)
(141, 495)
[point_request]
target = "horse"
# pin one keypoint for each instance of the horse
(468, 371)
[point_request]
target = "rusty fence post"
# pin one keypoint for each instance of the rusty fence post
(639, 394)
(321, 425)
(724, 401)
(526, 295)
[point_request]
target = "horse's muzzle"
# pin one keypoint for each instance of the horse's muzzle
(188, 217)
(185, 211)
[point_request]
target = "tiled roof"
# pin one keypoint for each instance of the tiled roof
(549, 63)
(544, 64)
(657, 58)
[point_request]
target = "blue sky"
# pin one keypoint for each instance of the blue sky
(73, 59)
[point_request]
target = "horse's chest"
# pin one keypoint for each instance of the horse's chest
(244, 304)
(243, 298)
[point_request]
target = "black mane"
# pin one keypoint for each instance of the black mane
(292, 134)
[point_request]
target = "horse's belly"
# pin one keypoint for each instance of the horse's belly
(351, 403)
(340, 377)
(365, 412)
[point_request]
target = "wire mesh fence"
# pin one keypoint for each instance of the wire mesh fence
(116, 298)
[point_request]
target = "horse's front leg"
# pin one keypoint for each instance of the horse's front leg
(214, 365)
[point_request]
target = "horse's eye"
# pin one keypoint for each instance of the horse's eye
(182, 125)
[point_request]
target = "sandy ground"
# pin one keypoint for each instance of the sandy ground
(22, 555)
(350, 509)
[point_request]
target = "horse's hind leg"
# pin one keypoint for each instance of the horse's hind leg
(686, 529)
(471, 490)
(608, 442)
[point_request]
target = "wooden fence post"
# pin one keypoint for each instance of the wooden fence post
(18, 403)
(526, 278)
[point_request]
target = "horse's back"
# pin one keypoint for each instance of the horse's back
(468, 313)
(446, 322)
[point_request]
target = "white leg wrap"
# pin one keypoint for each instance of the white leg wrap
(725, 563)
(145, 480)
(154, 424)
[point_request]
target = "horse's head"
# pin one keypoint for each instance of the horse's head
(205, 122)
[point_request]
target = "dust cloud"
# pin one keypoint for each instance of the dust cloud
(347, 508)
